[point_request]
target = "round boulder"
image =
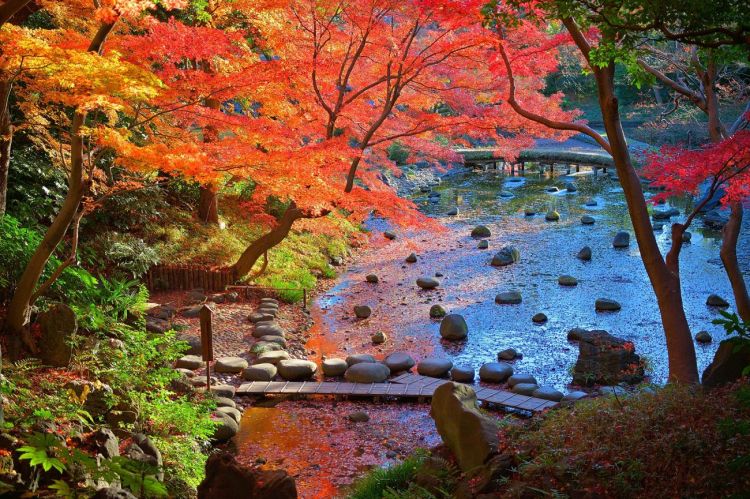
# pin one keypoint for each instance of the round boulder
(367, 372)
(508, 298)
(434, 367)
(399, 362)
(524, 388)
(372, 278)
(621, 240)
(506, 256)
(362, 311)
(607, 305)
(587, 220)
(437, 311)
(296, 369)
(539, 318)
(495, 372)
(508, 354)
(453, 212)
(379, 338)
(483, 244)
(453, 327)
(481, 231)
(547, 393)
(428, 283)
(584, 254)
(334, 367)
(552, 216)
(703, 337)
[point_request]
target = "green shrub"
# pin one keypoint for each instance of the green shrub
(36, 188)
(122, 254)
(398, 153)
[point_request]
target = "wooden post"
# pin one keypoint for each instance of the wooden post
(207, 344)
(304, 298)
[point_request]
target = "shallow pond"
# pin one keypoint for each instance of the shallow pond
(315, 441)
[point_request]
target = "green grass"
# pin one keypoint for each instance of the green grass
(389, 482)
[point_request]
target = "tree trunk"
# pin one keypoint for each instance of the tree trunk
(9, 8)
(261, 245)
(6, 141)
(19, 308)
(665, 281)
(731, 265)
(208, 206)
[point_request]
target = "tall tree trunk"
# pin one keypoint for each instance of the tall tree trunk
(19, 308)
(9, 8)
(728, 254)
(664, 280)
(261, 245)
(6, 141)
(208, 205)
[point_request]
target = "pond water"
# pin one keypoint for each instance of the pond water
(468, 287)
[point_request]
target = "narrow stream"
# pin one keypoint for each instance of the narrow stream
(468, 287)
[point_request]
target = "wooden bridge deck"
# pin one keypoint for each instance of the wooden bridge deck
(404, 386)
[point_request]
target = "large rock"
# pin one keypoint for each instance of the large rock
(428, 283)
(525, 388)
(495, 372)
(606, 305)
(728, 364)
(194, 342)
(462, 374)
(453, 327)
(434, 367)
(481, 231)
(58, 326)
(584, 254)
(547, 393)
(268, 329)
(605, 359)
(296, 369)
(521, 378)
(191, 362)
(271, 357)
(469, 434)
(508, 354)
(367, 372)
(359, 358)
(227, 479)
(506, 256)
(334, 367)
(621, 240)
(508, 298)
(399, 362)
(230, 365)
(715, 219)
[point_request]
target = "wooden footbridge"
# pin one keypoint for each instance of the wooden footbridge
(404, 386)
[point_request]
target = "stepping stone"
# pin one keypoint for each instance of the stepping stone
(273, 357)
(521, 378)
(547, 393)
(462, 374)
(428, 283)
(399, 362)
(225, 402)
(539, 318)
(268, 329)
(223, 391)
(567, 280)
(185, 372)
(587, 220)
(279, 340)
(508, 354)
(481, 231)
(358, 358)
(434, 367)
(716, 301)
(621, 240)
(232, 412)
(483, 244)
(574, 396)
(362, 311)
(508, 298)
(334, 367)
(525, 388)
(260, 372)
(372, 278)
(606, 305)
(367, 372)
(191, 362)
(230, 365)
(273, 312)
(584, 254)
(495, 372)
(552, 216)
(191, 312)
(265, 346)
(296, 369)
(412, 258)
(256, 317)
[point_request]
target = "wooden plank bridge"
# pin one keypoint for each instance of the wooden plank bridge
(404, 386)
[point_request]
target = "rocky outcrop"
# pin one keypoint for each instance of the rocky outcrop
(58, 327)
(728, 363)
(605, 359)
(470, 435)
(227, 479)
